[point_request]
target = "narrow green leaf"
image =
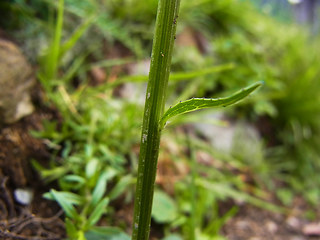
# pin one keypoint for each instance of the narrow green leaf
(101, 186)
(178, 76)
(75, 179)
(71, 229)
(54, 173)
(53, 54)
(223, 191)
(71, 182)
(110, 63)
(97, 213)
(80, 235)
(65, 203)
(74, 68)
(72, 198)
(173, 237)
(215, 226)
(120, 187)
(106, 233)
(66, 46)
(200, 103)
(37, 166)
(92, 167)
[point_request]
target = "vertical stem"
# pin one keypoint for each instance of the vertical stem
(193, 189)
(155, 101)
(53, 68)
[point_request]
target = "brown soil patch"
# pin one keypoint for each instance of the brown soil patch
(41, 219)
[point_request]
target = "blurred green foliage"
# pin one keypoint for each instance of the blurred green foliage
(286, 58)
(281, 10)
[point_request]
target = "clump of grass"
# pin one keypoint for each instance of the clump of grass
(86, 166)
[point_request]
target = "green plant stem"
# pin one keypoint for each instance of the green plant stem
(193, 189)
(53, 66)
(154, 107)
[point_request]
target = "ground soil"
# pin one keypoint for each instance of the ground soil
(41, 219)
(253, 223)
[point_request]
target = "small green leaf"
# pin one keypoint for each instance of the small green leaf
(173, 237)
(164, 209)
(77, 34)
(80, 235)
(71, 229)
(65, 203)
(75, 179)
(71, 182)
(72, 198)
(92, 167)
(88, 149)
(97, 212)
(120, 187)
(200, 103)
(55, 173)
(178, 76)
(285, 196)
(74, 68)
(101, 186)
(106, 233)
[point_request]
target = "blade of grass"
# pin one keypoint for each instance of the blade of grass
(181, 76)
(193, 189)
(193, 74)
(53, 58)
(73, 39)
(74, 68)
(174, 77)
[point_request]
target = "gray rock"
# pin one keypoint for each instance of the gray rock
(23, 196)
(228, 136)
(221, 137)
(16, 81)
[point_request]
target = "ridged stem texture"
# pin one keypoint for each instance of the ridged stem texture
(163, 41)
